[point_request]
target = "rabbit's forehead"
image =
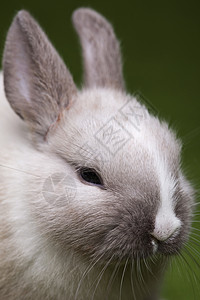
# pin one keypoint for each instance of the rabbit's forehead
(105, 115)
(110, 125)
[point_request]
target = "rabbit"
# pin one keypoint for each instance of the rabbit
(93, 199)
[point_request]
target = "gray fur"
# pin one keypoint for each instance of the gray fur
(101, 51)
(30, 58)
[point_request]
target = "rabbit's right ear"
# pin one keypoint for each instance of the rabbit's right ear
(38, 86)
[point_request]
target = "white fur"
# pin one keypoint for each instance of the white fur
(166, 222)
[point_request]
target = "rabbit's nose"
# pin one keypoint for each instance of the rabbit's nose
(166, 226)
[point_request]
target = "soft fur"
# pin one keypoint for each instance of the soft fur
(99, 242)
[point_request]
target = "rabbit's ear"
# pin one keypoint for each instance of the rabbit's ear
(101, 51)
(37, 83)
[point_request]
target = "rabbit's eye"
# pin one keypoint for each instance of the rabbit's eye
(90, 176)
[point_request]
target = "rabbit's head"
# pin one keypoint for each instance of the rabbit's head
(118, 164)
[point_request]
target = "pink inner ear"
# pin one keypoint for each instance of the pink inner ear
(88, 52)
(23, 86)
(23, 73)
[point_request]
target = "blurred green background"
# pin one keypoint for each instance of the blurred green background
(160, 42)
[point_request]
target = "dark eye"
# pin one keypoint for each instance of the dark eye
(91, 176)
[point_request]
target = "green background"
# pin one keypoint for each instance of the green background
(160, 42)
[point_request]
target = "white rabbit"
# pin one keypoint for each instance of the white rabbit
(93, 201)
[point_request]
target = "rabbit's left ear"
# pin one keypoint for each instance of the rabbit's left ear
(37, 83)
(101, 51)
